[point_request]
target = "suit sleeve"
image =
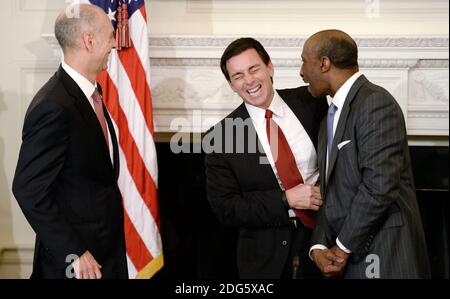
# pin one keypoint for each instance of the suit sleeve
(41, 160)
(241, 209)
(380, 136)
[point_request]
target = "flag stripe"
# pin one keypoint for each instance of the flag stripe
(138, 212)
(132, 271)
(144, 13)
(136, 249)
(139, 173)
(137, 76)
(139, 131)
(126, 91)
(138, 33)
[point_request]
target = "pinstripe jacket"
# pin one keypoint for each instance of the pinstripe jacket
(370, 201)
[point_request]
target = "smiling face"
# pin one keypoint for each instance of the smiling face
(105, 41)
(251, 79)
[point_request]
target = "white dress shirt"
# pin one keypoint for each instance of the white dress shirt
(338, 100)
(298, 139)
(88, 89)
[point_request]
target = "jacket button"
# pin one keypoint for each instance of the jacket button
(284, 243)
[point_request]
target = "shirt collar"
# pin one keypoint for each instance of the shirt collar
(340, 96)
(258, 114)
(85, 85)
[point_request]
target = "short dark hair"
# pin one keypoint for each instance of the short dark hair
(343, 52)
(237, 47)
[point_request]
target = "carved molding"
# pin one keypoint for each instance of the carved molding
(286, 42)
(297, 42)
(430, 63)
(363, 63)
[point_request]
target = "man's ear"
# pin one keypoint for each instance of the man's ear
(88, 40)
(325, 64)
(271, 69)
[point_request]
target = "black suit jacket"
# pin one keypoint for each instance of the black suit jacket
(245, 193)
(66, 184)
(370, 200)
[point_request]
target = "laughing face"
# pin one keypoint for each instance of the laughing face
(105, 42)
(251, 79)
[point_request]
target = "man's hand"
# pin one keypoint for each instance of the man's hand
(331, 262)
(305, 197)
(86, 267)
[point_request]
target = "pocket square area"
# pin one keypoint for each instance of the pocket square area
(340, 145)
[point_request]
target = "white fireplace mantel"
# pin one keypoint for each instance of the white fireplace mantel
(187, 83)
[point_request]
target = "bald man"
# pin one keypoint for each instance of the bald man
(66, 175)
(370, 225)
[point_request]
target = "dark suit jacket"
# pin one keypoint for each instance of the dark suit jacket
(370, 201)
(245, 193)
(66, 184)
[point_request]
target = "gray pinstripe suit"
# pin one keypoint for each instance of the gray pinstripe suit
(370, 201)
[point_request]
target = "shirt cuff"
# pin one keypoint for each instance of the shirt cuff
(342, 247)
(317, 246)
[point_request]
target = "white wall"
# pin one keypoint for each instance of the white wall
(27, 61)
(298, 17)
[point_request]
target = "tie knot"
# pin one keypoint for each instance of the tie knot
(268, 114)
(96, 96)
(332, 109)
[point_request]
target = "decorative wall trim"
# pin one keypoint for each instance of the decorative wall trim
(363, 63)
(16, 262)
(186, 77)
(287, 42)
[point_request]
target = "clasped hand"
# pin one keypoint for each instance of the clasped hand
(331, 262)
(304, 196)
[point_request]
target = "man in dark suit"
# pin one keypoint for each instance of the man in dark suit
(370, 224)
(66, 175)
(246, 183)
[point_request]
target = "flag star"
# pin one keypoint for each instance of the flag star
(112, 15)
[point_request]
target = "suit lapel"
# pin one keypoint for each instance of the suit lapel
(342, 121)
(244, 115)
(249, 149)
(86, 111)
(322, 156)
(112, 134)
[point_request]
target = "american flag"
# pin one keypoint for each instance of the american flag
(126, 92)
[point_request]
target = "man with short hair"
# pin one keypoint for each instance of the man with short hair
(66, 175)
(369, 226)
(262, 170)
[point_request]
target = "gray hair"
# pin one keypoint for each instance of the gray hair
(72, 22)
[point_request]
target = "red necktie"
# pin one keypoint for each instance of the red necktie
(98, 107)
(286, 166)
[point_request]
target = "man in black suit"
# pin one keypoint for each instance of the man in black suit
(245, 186)
(66, 175)
(370, 224)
